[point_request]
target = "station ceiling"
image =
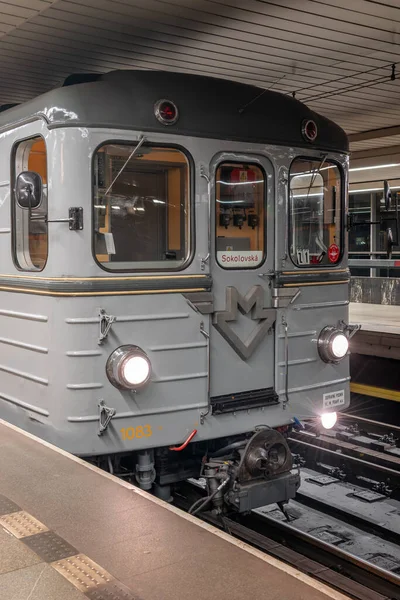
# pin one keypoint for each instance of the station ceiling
(341, 57)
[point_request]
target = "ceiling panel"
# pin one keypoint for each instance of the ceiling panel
(334, 55)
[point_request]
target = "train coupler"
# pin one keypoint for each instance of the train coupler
(261, 473)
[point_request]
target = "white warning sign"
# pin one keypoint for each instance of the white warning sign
(333, 399)
(303, 257)
(240, 258)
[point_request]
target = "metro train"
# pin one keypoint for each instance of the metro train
(174, 283)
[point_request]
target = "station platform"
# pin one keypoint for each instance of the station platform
(380, 330)
(73, 532)
(382, 318)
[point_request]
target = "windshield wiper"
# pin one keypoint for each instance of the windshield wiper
(315, 173)
(136, 148)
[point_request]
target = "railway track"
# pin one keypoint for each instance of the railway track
(369, 425)
(344, 525)
(359, 563)
(358, 450)
(321, 538)
(343, 528)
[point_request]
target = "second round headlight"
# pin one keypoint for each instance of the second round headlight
(333, 345)
(128, 367)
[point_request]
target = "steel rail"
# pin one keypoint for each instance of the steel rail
(349, 449)
(366, 468)
(374, 424)
(382, 581)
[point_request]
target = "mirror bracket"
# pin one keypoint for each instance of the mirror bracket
(75, 218)
(348, 330)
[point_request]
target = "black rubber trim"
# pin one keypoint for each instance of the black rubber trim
(102, 285)
(302, 278)
(243, 400)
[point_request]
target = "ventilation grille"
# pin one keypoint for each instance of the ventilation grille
(243, 400)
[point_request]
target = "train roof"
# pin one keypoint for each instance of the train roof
(208, 107)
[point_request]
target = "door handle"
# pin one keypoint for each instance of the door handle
(270, 274)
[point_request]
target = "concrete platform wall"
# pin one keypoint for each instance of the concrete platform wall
(375, 290)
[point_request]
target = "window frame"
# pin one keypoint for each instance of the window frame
(342, 213)
(191, 205)
(257, 164)
(13, 176)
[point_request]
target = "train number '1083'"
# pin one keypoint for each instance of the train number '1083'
(141, 431)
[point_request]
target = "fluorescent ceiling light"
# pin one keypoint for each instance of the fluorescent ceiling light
(380, 189)
(375, 167)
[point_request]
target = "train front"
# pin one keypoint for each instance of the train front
(204, 312)
(257, 339)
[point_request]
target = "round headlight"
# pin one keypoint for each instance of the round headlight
(128, 368)
(333, 345)
(340, 345)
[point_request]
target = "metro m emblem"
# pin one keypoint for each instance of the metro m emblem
(253, 301)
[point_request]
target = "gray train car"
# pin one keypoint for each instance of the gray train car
(174, 281)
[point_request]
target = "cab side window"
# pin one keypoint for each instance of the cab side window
(30, 216)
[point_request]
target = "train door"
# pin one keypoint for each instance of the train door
(242, 255)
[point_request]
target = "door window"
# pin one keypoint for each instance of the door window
(240, 215)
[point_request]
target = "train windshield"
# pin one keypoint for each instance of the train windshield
(141, 207)
(315, 212)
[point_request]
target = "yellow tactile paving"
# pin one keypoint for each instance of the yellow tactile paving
(82, 572)
(21, 524)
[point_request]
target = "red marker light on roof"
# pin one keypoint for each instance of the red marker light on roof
(166, 112)
(309, 130)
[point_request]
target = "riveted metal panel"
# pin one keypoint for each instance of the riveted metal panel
(303, 379)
